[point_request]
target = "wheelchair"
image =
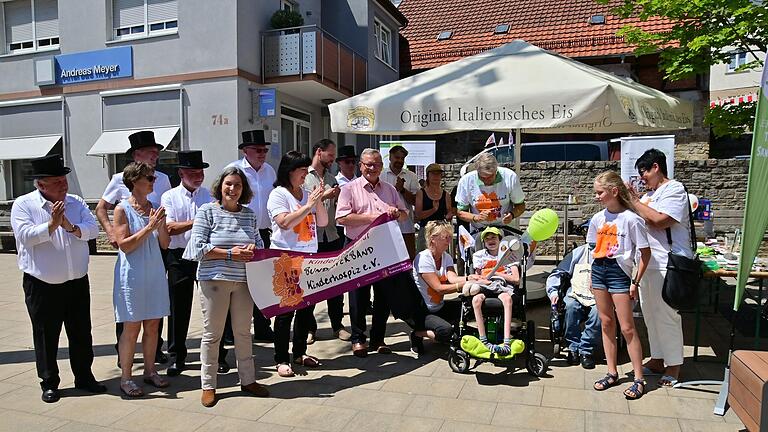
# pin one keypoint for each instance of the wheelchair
(493, 313)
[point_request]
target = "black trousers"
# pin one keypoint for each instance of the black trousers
(50, 306)
(359, 300)
(335, 304)
(300, 330)
(181, 287)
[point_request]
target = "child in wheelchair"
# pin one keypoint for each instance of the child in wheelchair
(500, 285)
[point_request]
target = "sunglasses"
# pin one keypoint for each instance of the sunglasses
(372, 165)
(150, 178)
(261, 150)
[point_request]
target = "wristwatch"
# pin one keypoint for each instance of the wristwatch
(636, 283)
(74, 228)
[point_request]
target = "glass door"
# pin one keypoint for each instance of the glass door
(295, 130)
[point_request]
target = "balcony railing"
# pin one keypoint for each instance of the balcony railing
(309, 53)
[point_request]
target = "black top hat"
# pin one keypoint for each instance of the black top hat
(346, 152)
(191, 159)
(253, 137)
(48, 166)
(142, 139)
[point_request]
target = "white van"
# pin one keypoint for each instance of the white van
(547, 152)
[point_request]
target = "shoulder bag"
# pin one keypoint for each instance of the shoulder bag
(681, 284)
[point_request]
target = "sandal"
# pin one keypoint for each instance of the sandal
(606, 382)
(636, 390)
(130, 389)
(284, 370)
(307, 361)
(156, 380)
(667, 381)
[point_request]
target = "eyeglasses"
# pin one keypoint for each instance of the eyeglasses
(372, 165)
(150, 178)
(261, 150)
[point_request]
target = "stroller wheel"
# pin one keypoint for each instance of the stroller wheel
(537, 364)
(458, 360)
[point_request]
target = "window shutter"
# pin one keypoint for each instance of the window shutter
(162, 10)
(46, 19)
(18, 21)
(127, 13)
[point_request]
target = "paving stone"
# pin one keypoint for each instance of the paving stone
(540, 418)
(707, 426)
(424, 386)
(302, 414)
(451, 409)
(380, 422)
(102, 410)
(530, 395)
(21, 421)
(371, 400)
(610, 422)
(588, 400)
(456, 426)
(228, 424)
(674, 407)
(160, 419)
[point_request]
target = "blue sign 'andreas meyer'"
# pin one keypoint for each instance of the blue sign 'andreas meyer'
(94, 65)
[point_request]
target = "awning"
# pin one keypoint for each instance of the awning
(27, 148)
(115, 142)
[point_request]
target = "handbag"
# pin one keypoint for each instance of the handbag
(681, 284)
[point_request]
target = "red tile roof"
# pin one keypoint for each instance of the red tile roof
(556, 25)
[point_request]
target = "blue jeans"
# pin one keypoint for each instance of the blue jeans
(582, 342)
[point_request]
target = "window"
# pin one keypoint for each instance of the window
(294, 129)
(141, 18)
(737, 60)
(288, 5)
(30, 25)
(383, 38)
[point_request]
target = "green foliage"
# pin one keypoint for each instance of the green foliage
(731, 120)
(286, 19)
(705, 32)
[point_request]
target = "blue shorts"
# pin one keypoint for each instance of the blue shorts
(608, 275)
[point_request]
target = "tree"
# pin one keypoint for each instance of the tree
(703, 33)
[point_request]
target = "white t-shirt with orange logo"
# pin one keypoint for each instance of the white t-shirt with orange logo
(474, 196)
(302, 237)
(425, 263)
(617, 236)
(484, 262)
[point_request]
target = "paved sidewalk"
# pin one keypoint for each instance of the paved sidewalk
(380, 393)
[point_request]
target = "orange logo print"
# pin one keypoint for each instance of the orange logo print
(489, 265)
(435, 296)
(305, 228)
(285, 281)
(489, 202)
(607, 241)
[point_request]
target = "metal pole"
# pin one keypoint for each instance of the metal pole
(301, 54)
(518, 150)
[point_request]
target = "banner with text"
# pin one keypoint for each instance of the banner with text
(281, 281)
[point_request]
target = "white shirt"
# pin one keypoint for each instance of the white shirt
(341, 180)
(302, 237)
(617, 236)
(116, 190)
(57, 257)
(425, 263)
(411, 184)
(181, 206)
(261, 183)
(474, 196)
(670, 199)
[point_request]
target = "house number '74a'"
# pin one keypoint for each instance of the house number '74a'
(220, 119)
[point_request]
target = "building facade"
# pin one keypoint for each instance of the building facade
(78, 76)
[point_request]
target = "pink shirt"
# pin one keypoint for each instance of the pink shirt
(359, 197)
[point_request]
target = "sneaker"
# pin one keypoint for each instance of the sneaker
(573, 358)
(343, 334)
(417, 344)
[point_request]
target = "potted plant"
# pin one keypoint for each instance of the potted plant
(286, 19)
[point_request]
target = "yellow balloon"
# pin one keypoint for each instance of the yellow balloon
(543, 224)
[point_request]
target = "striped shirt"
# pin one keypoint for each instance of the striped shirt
(216, 227)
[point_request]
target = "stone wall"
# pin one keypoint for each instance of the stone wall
(548, 184)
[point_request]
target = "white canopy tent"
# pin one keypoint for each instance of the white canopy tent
(515, 86)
